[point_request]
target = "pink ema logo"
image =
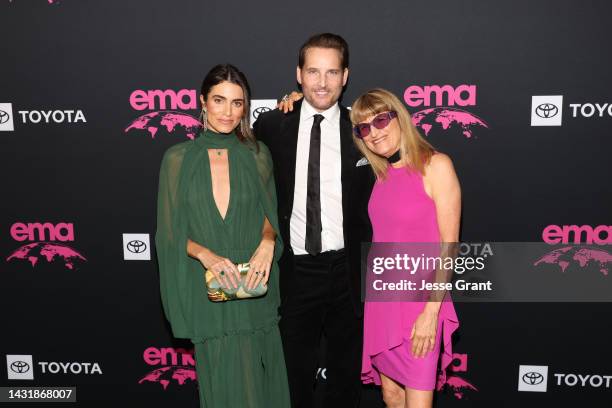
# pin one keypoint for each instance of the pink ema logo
(456, 384)
(48, 251)
(581, 256)
(177, 364)
(164, 105)
(443, 114)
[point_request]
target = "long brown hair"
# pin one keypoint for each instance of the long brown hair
(415, 151)
(229, 73)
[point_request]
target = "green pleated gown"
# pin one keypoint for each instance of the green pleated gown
(238, 350)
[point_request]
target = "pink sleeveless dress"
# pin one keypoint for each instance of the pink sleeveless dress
(401, 211)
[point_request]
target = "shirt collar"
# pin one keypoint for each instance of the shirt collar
(331, 114)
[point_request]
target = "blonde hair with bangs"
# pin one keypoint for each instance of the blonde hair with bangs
(415, 151)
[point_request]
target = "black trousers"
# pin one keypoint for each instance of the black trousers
(318, 303)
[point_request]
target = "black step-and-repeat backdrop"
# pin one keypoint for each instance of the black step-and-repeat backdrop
(518, 93)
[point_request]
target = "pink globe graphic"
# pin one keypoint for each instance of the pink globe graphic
(447, 118)
(173, 121)
(167, 375)
(457, 385)
(49, 252)
(577, 257)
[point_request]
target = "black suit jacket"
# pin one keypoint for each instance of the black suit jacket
(279, 131)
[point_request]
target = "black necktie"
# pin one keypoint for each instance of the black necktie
(313, 190)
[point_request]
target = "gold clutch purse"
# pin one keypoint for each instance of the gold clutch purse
(218, 293)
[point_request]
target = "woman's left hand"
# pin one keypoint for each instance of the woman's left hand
(423, 334)
(260, 264)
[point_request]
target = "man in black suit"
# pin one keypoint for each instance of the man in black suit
(322, 189)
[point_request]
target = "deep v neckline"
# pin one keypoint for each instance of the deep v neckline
(225, 219)
(220, 141)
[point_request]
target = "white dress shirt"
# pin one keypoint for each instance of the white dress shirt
(332, 237)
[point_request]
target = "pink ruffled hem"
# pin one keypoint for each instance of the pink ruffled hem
(369, 374)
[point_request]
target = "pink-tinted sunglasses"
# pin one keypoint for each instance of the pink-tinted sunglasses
(380, 121)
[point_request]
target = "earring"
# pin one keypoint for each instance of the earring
(203, 119)
(244, 128)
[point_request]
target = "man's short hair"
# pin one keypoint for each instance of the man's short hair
(326, 40)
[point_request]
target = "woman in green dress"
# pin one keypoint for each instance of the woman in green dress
(217, 208)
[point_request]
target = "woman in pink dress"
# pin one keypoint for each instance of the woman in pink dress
(416, 198)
